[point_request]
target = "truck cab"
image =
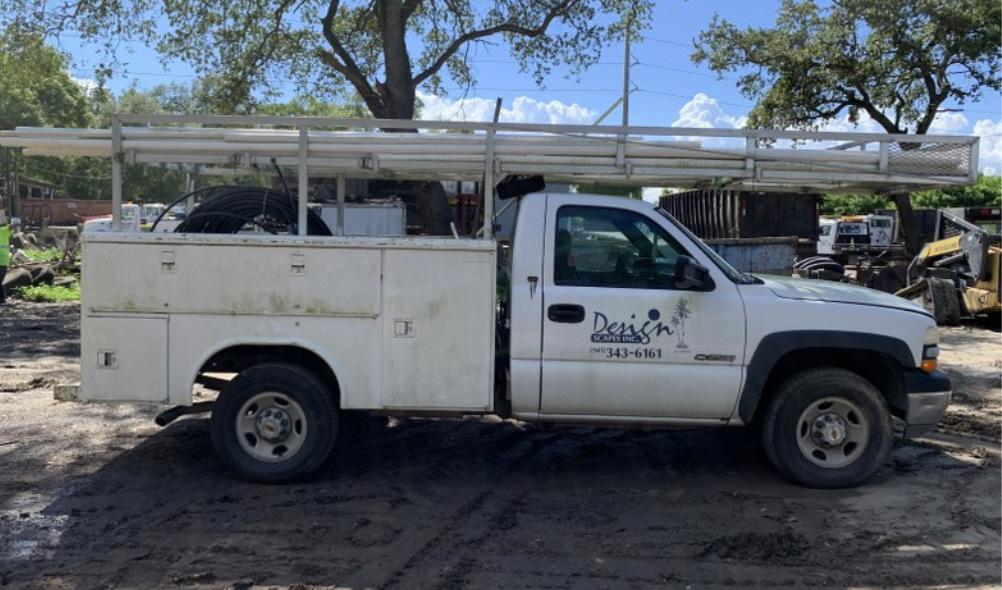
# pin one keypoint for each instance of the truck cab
(131, 221)
(836, 235)
(604, 330)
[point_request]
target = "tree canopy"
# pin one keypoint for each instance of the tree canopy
(898, 61)
(37, 89)
(986, 192)
(381, 50)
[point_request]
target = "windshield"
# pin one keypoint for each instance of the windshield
(732, 273)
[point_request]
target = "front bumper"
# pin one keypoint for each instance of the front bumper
(928, 396)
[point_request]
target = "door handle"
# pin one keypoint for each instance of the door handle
(566, 313)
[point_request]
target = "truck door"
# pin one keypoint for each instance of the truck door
(620, 337)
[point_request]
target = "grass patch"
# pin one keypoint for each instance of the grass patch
(50, 293)
(44, 254)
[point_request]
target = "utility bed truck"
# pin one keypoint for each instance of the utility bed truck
(601, 311)
(617, 316)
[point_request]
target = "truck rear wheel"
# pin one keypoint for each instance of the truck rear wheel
(827, 428)
(274, 422)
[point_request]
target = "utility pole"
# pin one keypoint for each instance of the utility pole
(626, 71)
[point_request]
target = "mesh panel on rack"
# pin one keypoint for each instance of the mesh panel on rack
(925, 157)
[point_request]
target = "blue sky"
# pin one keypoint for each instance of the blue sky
(671, 90)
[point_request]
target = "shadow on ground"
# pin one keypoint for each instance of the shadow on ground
(480, 503)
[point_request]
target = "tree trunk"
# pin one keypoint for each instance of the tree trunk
(906, 217)
(395, 98)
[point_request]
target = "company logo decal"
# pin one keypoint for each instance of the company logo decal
(642, 331)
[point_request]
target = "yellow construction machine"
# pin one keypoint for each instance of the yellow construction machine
(959, 274)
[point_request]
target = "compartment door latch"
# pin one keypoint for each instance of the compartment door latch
(167, 262)
(297, 266)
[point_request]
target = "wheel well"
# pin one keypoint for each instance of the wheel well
(880, 369)
(237, 358)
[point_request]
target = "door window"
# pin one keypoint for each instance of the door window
(607, 247)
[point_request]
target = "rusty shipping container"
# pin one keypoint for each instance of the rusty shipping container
(754, 231)
(744, 214)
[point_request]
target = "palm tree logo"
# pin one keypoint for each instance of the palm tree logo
(678, 318)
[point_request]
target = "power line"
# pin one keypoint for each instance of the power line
(512, 61)
(131, 73)
(681, 71)
(538, 90)
(668, 42)
(682, 96)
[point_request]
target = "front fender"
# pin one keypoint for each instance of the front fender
(773, 347)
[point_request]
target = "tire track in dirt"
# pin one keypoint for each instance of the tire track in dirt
(450, 545)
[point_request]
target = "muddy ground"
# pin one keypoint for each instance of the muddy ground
(95, 496)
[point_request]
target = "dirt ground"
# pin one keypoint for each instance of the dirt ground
(96, 496)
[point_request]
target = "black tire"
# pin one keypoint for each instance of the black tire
(782, 427)
(313, 402)
(944, 301)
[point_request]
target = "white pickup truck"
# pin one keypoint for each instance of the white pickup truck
(603, 311)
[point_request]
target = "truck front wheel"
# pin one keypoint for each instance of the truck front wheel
(827, 428)
(274, 422)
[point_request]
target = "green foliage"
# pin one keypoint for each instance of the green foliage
(853, 204)
(896, 60)
(49, 293)
(987, 192)
(43, 254)
(380, 51)
(36, 88)
(90, 178)
(309, 106)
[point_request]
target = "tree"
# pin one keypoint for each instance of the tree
(384, 49)
(37, 89)
(853, 204)
(898, 61)
(987, 192)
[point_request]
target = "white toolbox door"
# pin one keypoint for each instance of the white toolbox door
(124, 359)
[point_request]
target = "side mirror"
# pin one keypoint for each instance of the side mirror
(692, 275)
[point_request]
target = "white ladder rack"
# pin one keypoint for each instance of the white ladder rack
(750, 159)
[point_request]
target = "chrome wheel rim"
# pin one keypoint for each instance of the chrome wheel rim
(271, 427)
(832, 432)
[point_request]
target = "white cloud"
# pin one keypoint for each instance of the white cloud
(652, 194)
(522, 110)
(991, 145)
(842, 124)
(702, 111)
(949, 124)
(944, 124)
(88, 85)
(706, 112)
